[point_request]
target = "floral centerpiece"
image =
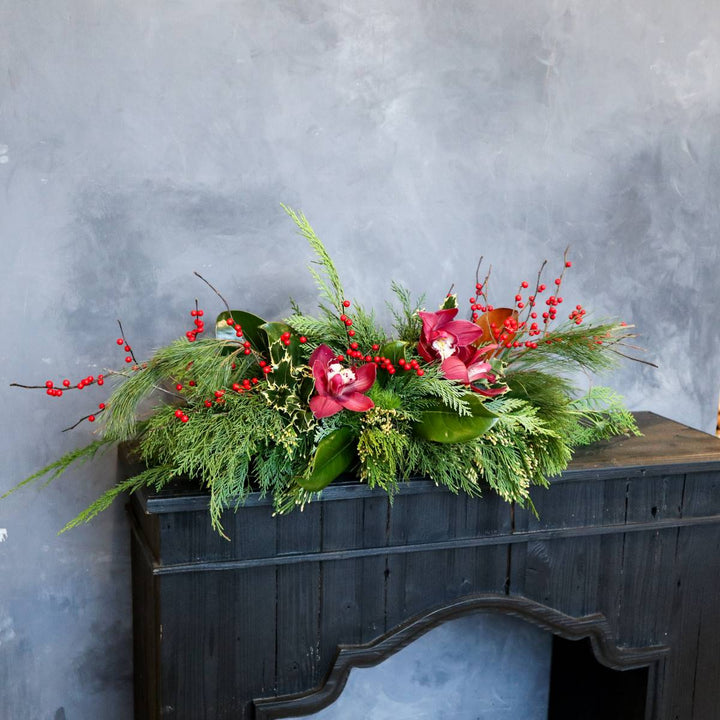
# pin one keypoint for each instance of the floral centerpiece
(286, 407)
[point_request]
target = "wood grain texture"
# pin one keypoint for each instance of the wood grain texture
(220, 624)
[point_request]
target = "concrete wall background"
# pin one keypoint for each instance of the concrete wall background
(140, 141)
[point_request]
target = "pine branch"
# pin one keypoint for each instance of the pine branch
(152, 477)
(57, 468)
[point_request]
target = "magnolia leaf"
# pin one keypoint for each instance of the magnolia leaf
(449, 302)
(443, 425)
(495, 319)
(334, 455)
(250, 327)
(393, 351)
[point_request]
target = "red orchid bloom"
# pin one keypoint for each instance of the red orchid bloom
(339, 387)
(442, 335)
(468, 366)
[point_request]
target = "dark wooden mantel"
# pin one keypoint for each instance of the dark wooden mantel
(627, 542)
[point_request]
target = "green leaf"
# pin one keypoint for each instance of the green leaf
(393, 351)
(278, 350)
(443, 425)
(250, 326)
(334, 455)
(449, 302)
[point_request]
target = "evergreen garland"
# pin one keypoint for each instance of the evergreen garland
(283, 408)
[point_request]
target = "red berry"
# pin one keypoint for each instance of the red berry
(420, 372)
(568, 264)
(351, 333)
(120, 341)
(101, 406)
(541, 288)
(178, 387)
(184, 418)
(91, 418)
(302, 339)
(558, 281)
(375, 347)
(48, 383)
(346, 303)
(343, 318)
(523, 284)
(178, 413)
(230, 321)
(207, 403)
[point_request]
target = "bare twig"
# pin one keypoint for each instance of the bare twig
(127, 344)
(214, 289)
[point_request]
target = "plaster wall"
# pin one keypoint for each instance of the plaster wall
(140, 141)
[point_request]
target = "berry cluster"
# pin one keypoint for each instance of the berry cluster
(505, 330)
(384, 363)
(236, 327)
(191, 335)
(53, 391)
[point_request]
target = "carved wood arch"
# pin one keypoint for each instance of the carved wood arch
(595, 627)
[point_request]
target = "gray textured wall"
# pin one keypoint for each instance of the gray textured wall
(141, 140)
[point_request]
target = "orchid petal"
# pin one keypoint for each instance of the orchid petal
(335, 385)
(464, 331)
(479, 370)
(490, 392)
(319, 370)
(324, 406)
(323, 354)
(357, 402)
(364, 378)
(454, 369)
(425, 351)
(433, 320)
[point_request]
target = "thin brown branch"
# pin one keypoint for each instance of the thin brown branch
(214, 289)
(127, 344)
(82, 420)
(630, 357)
